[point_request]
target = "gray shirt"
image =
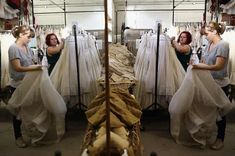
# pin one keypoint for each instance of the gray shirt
(222, 50)
(15, 52)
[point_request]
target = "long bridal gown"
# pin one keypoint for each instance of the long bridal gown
(170, 71)
(40, 108)
(64, 74)
(195, 107)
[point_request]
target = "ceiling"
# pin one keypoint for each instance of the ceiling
(80, 3)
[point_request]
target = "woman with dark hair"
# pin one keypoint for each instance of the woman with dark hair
(216, 60)
(182, 48)
(53, 50)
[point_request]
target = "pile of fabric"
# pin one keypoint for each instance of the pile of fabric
(120, 65)
(125, 115)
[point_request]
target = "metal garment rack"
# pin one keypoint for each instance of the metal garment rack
(77, 64)
(155, 104)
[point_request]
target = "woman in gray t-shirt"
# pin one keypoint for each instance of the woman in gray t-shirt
(20, 61)
(216, 60)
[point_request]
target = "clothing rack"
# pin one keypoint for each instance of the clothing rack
(188, 23)
(155, 104)
(156, 70)
(229, 28)
(55, 26)
(77, 63)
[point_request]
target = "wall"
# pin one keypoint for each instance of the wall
(143, 18)
(88, 17)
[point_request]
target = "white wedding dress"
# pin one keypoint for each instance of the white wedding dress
(229, 36)
(64, 74)
(170, 71)
(6, 39)
(40, 108)
(196, 106)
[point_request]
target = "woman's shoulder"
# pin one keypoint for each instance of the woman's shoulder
(13, 48)
(13, 45)
(223, 42)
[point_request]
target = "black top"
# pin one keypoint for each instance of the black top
(184, 58)
(52, 61)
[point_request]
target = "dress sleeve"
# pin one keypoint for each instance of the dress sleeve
(13, 53)
(223, 50)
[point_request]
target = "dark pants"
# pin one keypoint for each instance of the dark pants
(222, 123)
(16, 126)
(16, 122)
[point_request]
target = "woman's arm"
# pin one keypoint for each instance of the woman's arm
(219, 64)
(17, 66)
(180, 48)
(55, 49)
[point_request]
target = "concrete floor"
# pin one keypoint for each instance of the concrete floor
(156, 138)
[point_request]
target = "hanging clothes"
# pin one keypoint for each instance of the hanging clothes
(64, 75)
(229, 36)
(7, 12)
(6, 39)
(170, 71)
(15, 4)
(229, 7)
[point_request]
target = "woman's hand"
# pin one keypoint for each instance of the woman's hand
(17, 66)
(173, 42)
(199, 66)
(35, 67)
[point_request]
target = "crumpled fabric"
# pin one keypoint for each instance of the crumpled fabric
(124, 110)
(196, 106)
(39, 106)
(124, 113)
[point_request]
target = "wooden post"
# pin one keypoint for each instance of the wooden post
(107, 90)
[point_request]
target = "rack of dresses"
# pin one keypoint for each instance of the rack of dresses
(228, 36)
(65, 73)
(169, 71)
(6, 39)
(156, 69)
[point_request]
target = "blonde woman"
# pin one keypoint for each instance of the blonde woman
(216, 60)
(20, 61)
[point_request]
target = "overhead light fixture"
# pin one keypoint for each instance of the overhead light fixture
(194, 3)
